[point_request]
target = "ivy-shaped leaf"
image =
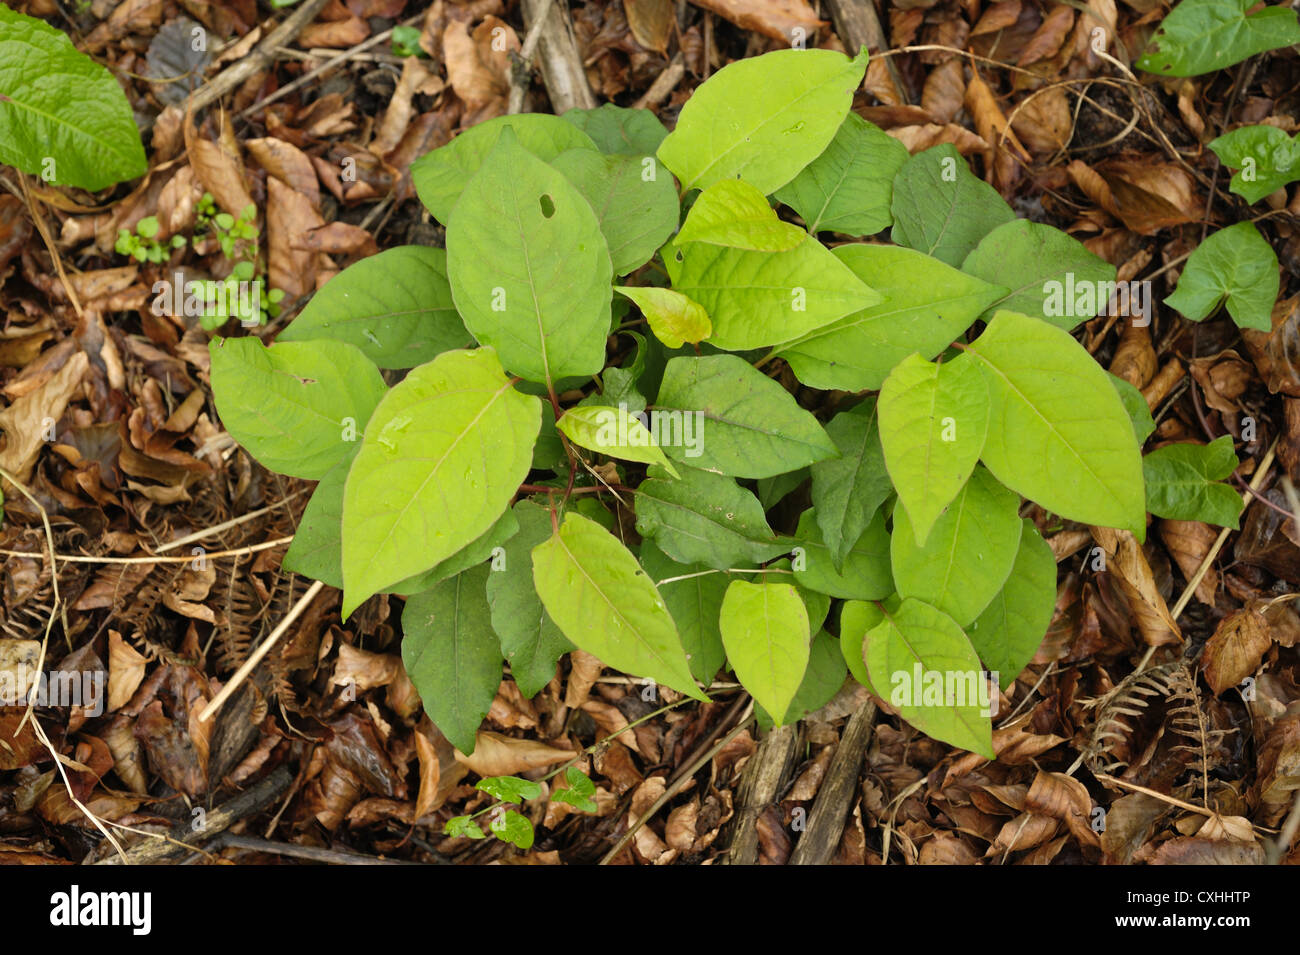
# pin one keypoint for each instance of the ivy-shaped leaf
(1265, 157)
(579, 791)
(1236, 264)
(1182, 482)
(765, 630)
(1200, 36)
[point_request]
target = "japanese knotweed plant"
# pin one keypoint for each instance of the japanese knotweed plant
(582, 359)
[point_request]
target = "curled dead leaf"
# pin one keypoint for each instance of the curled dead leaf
(1234, 651)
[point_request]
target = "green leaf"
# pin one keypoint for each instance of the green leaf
(926, 306)
(933, 419)
(475, 552)
(462, 826)
(1058, 432)
(442, 174)
(297, 407)
(821, 681)
(848, 490)
(941, 209)
(765, 298)
(857, 618)
(530, 640)
(530, 271)
(395, 306)
(451, 654)
(636, 214)
(705, 518)
(316, 548)
(509, 788)
(1265, 157)
(919, 640)
(968, 555)
(866, 574)
(733, 213)
(612, 431)
(580, 790)
(1042, 267)
(405, 41)
(513, 828)
(1200, 36)
(1139, 412)
(774, 489)
(751, 426)
(672, 316)
(443, 454)
(694, 601)
(765, 631)
(602, 600)
(617, 130)
(548, 452)
(1008, 631)
(1235, 263)
(762, 119)
(1181, 481)
(62, 115)
(847, 188)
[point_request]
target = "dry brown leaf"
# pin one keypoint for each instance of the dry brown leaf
(1234, 652)
(1126, 561)
(363, 670)
(125, 670)
(947, 849)
(1135, 359)
(1227, 828)
(1189, 850)
(29, 419)
(288, 215)
(997, 16)
(1150, 196)
(679, 831)
(990, 122)
(944, 91)
(1043, 121)
(1023, 832)
(287, 163)
(220, 173)
(1279, 769)
(340, 33)
(1065, 798)
(776, 19)
(584, 669)
(478, 65)
(1047, 40)
(918, 138)
(651, 22)
(1129, 820)
(497, 755)
(1188, 543)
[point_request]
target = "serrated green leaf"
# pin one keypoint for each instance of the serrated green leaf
(617, 130)
(672, 316)
(1265, 157)
(441, 175)
(297, 407)
(933, 419)
(443, 454)
(1041, 266)
(919, 640)
(926, 306)
(601, 599)
(62, 115)
(866, 574)
(615, 432)
(705, 518)
(847, 188)
(452, 655)
(1182, 482)
(636, 214)
(1139, 412)
(1200, 36)
(1236, 264)
(766, 298)
(733, 213)
(1058, 432)
(693, 594)
(765, 631)
(821, 681)
(1008, 631)
(395, 307)
(848, 490)
(941, 209)
(530, 270)
(762, 119)
(751, 426)
(968, 555)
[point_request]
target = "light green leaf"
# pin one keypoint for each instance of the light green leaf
(316, 548)
(513, 828)
(395, 306)
(765, 631)
(612, 431)
(847, 188)
(297, 407)
(694, 600)
(735, 214)
(442, 174)
(464, 827)
(926, 306)
(933, 419)
(1008, 631)
(580, 789)
(941, 209)
(866, 574)
(636, 214)
(530, 640)
(617, 130)
(1139, 412)
(451, 654)
(530, 271)
(821, 681)
(762, 119)
(1042, 267)
(968, 555)
(751, 426)
(705, 518)
(602, 600)
(1200, 36)
(509, 788)
(62, 115)
(857, 618)
(1181, 482)
(765, 298)
(1265, 157)
(672, 316)
(444, 453)
(919, 640)
(475, 552)
(848, 490)
(1235, 263)
(1058, 432)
